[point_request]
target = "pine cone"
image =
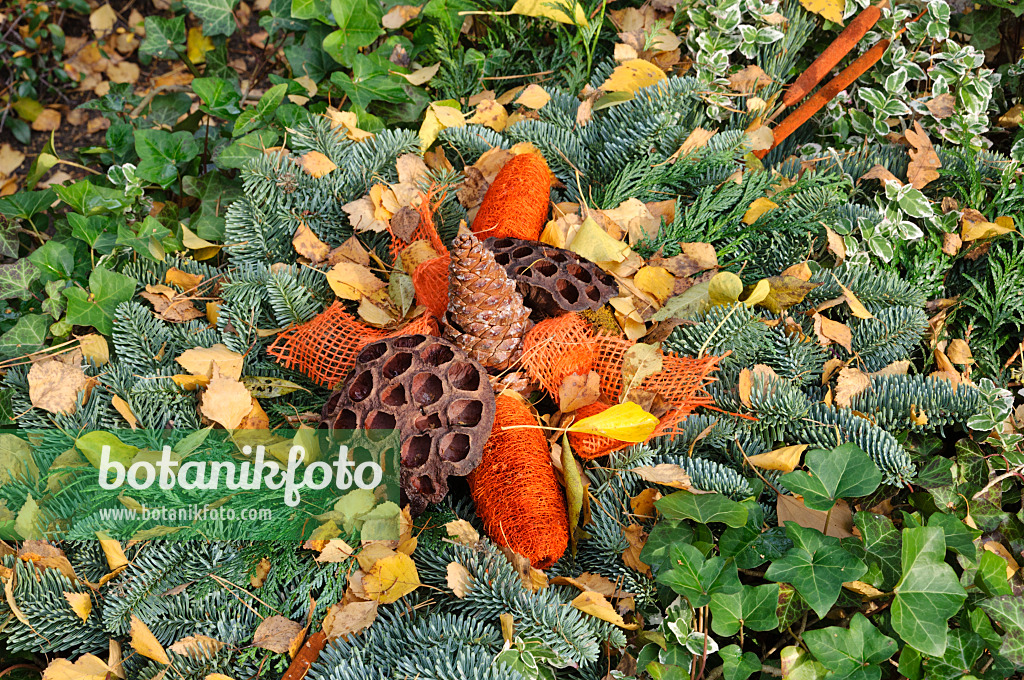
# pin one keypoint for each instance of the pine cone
(486, 316)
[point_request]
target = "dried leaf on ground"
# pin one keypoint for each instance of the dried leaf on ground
(665, 474)
(81, 604)
(851, 382)
(226, 401)
(840, 518)
(309, 245)
(459, 579)
(348, 618)
(577, 391)
(785, 459)
(633, 75)
(596, 604)
(391, 578)
(924, 162)
(280, 635)
(145, 643)
(54, 384)
(202, 361)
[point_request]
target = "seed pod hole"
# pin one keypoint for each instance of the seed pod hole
(569, 292)
(397, 365)
(407, 341)
(545, 268)
(428, 422)
(424, 485)
(416, 450)
(437, 355)
(394, 396)
(426, 389)
(371, 352)
(346, 420)
(464, 377)
(454, 446)
(361, 387)
(379, 420)
(465, 412)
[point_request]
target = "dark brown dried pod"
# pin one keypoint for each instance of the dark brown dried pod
(439, 400)
(553, 280)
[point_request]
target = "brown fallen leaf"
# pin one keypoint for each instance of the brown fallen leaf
(642, 504)
(749, 79)
(55, 383)
(259, 575)
(459, 579)
(344, 619)
(309, 245)
(47, 121)
(941, 106)
(851, 382)
(226, 401)
(924, 162)
(959, 352)
(183, 280)
(175, 309)
(881, 173)
(85, 667)
(316, 164)
(280, 635)
(785, 291)
(829, 331)
(197, 646)
(577, 391)
(201, 361)
(665, 474)
(81, 604)
(840, 518)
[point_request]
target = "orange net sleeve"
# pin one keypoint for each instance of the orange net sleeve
(431, 283)
(325, 347)
(556, 348)
(591, 446)
(516, 493)
(429, 203)
(516, 204)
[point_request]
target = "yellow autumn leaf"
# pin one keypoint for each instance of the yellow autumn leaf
(827, 9)
(975, 231)
(200, 361)
(317, 164)
(309, 245)
(552, 9)
(625, 422)
(657, 282)
(490, 114)
(758, 293)
(597, 605)
(122, 407)
(724, 288)
(757, 208)
(197, 45)
(351, 281)
(856, 306)
(597, 245)
(81, 604)
(391, 578)
(226, 402)
(633, 75)
(785, 459)
(112, 550)
(95, 349)
(533, 97)
(200, 247)
(438, 116)
(87, 667)
(145, 643)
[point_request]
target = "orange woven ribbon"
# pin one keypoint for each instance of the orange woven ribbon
(516, 493)
(556, 348)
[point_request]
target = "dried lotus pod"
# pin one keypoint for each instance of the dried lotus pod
(553, 280)
(439, 400)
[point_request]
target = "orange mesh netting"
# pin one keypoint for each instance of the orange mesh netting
(591, 446)
(325, 347)
(431, 283)
(556, 348)
(516, 493)
(516, 204)
(429, 202)
(681, 381)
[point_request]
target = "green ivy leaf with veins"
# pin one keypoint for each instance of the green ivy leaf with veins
(852, 653)
(817, 566)
(844, 472)
(96, 306)
(929, 594)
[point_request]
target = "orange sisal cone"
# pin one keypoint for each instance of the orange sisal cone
(516, 205)
(515, 490)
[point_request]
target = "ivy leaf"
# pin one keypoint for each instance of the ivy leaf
(737, 664)
(15, 279)
(86, 198)
(93, 231)
(1008, 612)
(309, 9)
(28, 335)
(844, 472)
(752, 607)
(963, 650)
(703, 508)
(358, 26)
(882, 545)
(695, 578)
(991, 575)
(242, 150)
(165, 38)
(216, 15)
(220, 97)
(749, 545)
(853, 653)
(666, 533)
(959, 536)
(160, 152)
(96, 307)
(928, 595)
(817, 566)
(54, 260)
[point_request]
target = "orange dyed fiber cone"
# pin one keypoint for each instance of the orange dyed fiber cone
(516, 205)
(515, 490)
